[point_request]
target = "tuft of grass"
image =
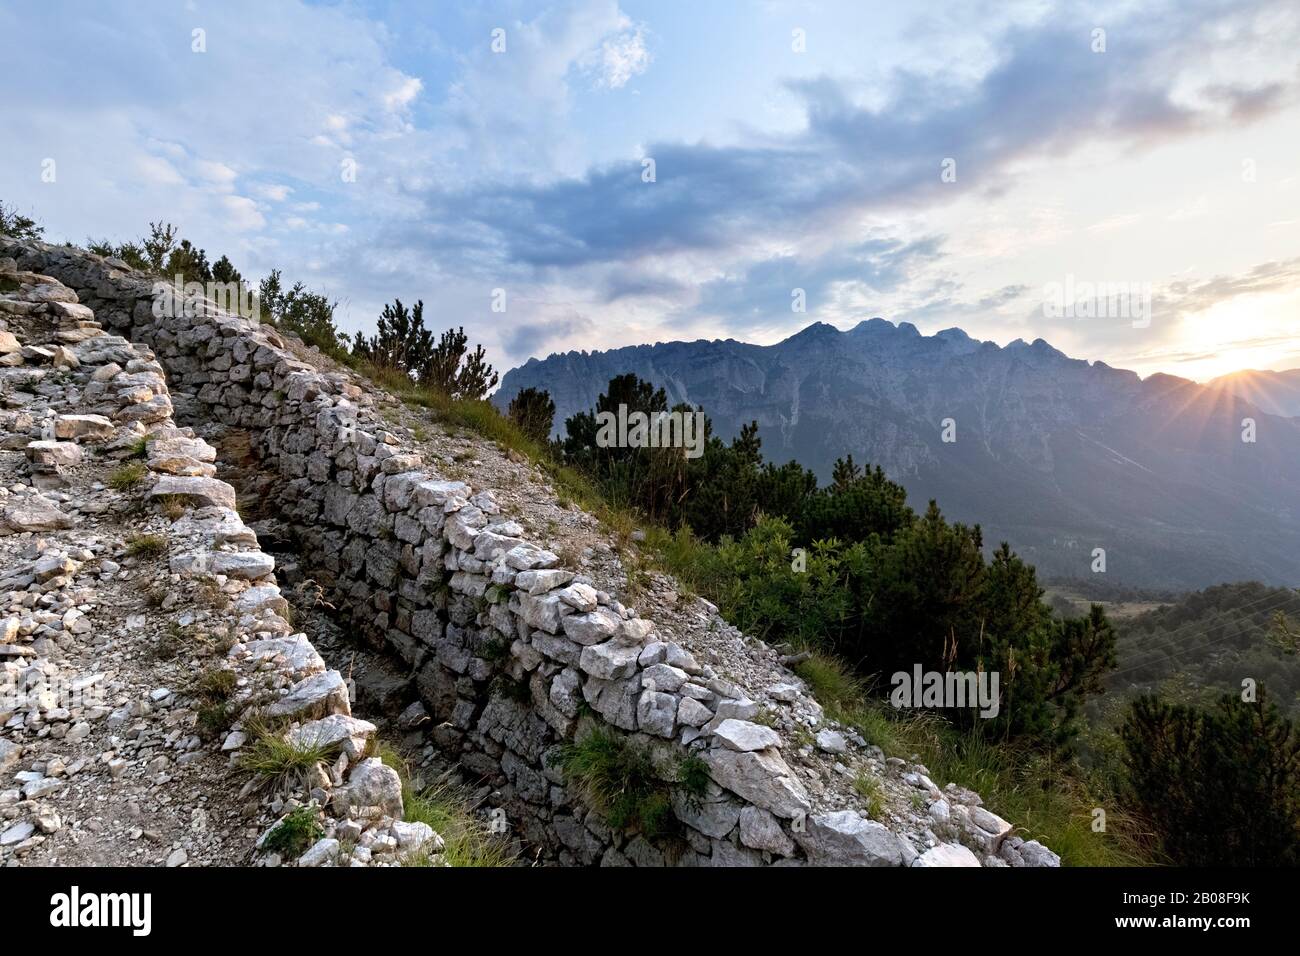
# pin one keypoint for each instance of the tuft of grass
(277, 762)
(468, 841)
(127, 476)
(830, 680)
(868, 787)
(295, 834)
(170, 644)
(146, 546)
(618, 778)
(173, 506)
(140, 447)
(693, 776)
(213, 689)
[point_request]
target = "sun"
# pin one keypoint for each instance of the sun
(1259, 331)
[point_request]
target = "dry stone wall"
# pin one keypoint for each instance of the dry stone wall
(512, 654)
(76, 653)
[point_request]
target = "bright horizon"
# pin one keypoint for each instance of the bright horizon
(1159, 152)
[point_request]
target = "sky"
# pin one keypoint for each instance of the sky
(600, 173)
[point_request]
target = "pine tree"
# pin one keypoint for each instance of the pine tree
(15, 224)
(534, 413)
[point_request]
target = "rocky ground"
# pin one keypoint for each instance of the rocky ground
(141, 626)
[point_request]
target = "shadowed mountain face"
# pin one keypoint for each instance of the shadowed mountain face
(1056, 455)
(1277, 393)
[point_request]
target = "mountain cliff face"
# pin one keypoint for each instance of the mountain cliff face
(1056, 455)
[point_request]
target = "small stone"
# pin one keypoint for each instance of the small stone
(947, 854)
(178, 858)
(17, 833)
(692, 713)
(742, 735)
(831, 741)
(325, 851)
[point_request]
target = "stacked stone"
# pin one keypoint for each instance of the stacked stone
(118, 400)
(432, 568)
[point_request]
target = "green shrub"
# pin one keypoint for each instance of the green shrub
(534, 413)
(1221, 787)
(618, 778)
(295, 834)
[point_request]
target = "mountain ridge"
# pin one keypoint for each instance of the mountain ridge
(1055, 454)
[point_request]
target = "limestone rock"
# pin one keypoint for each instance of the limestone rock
(83, 427)
(592, 628)
(315, 697)
(198, 491)
(371, 784)
(348, 734)
(762, 831)
(844, 838)
(608, 661)
(762, 778)
(656, 713)
(743, 735)
(947, 854)
(34, 513)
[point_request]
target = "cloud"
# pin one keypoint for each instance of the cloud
(272, 192)
(243, 213)
(219, 175)
(479, 169)
(528, 338)
(1048, 95)
(620, 58)
(1190, 296)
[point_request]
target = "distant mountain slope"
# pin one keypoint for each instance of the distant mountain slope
(1054, 454)
(1203, 645)
(1277, 393)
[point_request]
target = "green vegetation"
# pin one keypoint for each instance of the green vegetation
(308, 315)
(1220, 787)
(1202, 646)
(140, 447)
(13, 223)
(172, 506)
(274, 760)
(127, 476)
(869, 788)
(402, 343)
(534, 413)
(212, 690)
(146, 546)
(295, 834)
(468, 841)
(620, 780)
